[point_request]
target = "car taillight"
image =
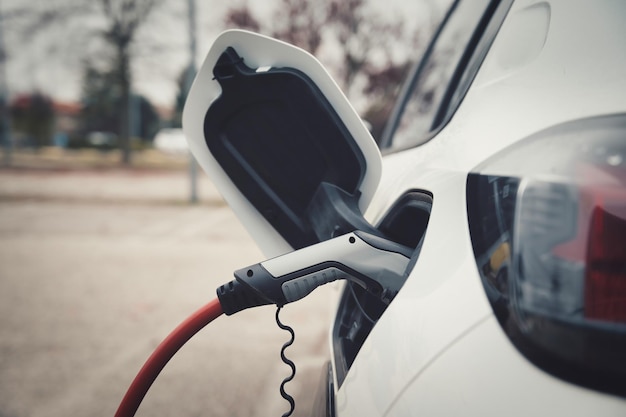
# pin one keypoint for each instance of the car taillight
(547, 219)
(605, 278)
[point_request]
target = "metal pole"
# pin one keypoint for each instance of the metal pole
(5, 117)
(191, 73)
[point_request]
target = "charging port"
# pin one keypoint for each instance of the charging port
(405, 223)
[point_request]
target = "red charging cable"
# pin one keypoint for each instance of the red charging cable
(163, 353)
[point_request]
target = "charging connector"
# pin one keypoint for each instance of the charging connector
(376, 264)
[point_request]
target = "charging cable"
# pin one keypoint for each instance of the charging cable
(163, 353)
(374, 263)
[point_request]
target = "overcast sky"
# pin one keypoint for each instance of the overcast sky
(51, 68)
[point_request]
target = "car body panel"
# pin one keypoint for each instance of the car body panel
(413, 331)
(482, 374)
(567, 74)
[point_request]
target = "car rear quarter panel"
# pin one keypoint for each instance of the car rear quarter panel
(573, 68)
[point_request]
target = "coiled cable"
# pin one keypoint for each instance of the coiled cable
(287, 397)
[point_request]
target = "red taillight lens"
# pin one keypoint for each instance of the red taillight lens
(605, 278)
(558, 201)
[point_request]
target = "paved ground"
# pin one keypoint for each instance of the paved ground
(96, 267)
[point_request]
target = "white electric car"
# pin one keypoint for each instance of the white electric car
(504, 173)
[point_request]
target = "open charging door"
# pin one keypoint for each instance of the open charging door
(281, 142)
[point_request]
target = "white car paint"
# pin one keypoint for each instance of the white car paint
(421, 359)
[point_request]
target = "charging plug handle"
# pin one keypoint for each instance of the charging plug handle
(376, 264)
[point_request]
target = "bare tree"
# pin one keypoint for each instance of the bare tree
(123, 18)
(301, 22)
(104, 31)
(241, 17)
(365, 38)
(298, 22)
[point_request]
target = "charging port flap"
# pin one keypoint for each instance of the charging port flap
(280, 141)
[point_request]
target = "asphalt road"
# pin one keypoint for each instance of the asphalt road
(96, 268)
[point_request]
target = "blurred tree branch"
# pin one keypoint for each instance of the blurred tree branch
(106, 30)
